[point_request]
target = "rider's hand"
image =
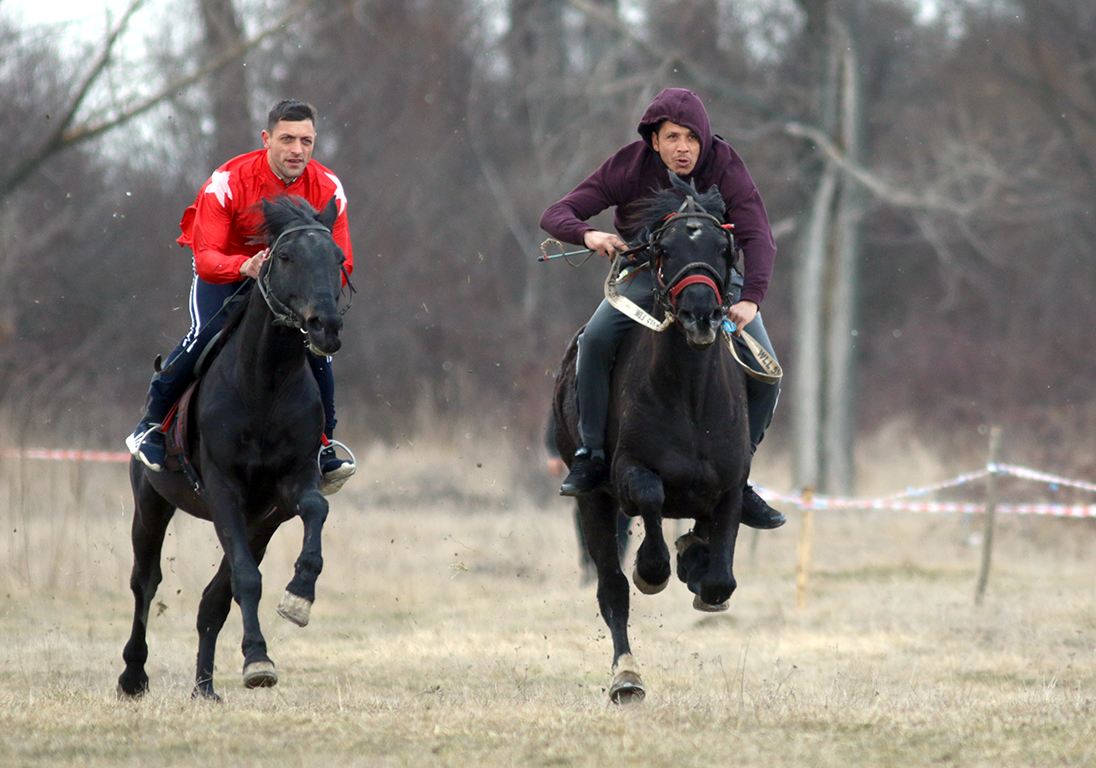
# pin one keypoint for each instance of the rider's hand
(250, 268)
(603, 243)
(742, 314)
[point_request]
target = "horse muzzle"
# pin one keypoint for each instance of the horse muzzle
(323, 334)
(701, 330)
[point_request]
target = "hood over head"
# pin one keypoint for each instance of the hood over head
(681, 106)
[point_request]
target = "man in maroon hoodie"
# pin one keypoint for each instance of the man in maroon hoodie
(676, 138)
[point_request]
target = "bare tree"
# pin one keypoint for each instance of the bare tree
(69, 127)
(224, 35)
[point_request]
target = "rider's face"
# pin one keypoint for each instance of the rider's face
(289, 147)
(678, 147)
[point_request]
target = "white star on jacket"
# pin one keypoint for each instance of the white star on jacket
(340, 193)
(218, 185)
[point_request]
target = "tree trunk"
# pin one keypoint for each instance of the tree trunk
(826, 281)
(233, 132)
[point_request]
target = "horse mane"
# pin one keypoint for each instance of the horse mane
(280, 213)
(284, 211)
(651, 211)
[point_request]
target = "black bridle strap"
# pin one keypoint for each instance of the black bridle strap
(283, 315)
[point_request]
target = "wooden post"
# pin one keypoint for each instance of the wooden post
(991, 515)
(803, 551)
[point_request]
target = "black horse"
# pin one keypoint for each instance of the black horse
(677, 434)
(255, 426)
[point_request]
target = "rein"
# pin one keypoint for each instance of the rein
(667, 292)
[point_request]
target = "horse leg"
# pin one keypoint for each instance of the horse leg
(598, 515)
(150, 519)
(642, 495)
(716, 583)
(246, 581)
(213, 610)
(296, 603)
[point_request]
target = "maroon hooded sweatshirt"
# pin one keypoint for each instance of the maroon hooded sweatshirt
(636, 170)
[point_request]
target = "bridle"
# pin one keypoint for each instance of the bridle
(667, 291)
(283, 315)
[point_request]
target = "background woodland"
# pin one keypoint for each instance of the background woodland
(930, 176)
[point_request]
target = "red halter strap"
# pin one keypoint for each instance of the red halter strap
(685, 282)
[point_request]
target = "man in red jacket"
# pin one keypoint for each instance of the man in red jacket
(675, 138)
(219, 228)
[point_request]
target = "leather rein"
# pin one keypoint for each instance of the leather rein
(666, 292)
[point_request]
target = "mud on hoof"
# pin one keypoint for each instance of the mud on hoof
(260, 674)
(644, 587)
(295, 609)
(627, 687)
(700, 605)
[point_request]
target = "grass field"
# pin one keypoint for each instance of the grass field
(451, 629)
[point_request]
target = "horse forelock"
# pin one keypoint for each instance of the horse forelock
(652, 211)
(283, 212)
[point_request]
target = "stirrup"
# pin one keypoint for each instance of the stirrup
(333, 484)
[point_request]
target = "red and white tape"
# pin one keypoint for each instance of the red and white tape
(41, 453)
(899, 502)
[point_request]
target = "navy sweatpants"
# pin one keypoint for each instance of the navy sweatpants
(207, 317)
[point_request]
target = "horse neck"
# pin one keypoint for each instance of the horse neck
(267, 352)
(694, 374)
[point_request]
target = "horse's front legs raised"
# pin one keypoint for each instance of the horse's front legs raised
(597, 515)
(707, 556)
(642, 495)
(299, 595)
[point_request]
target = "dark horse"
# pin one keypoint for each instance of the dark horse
(255, 425)
(677, 434)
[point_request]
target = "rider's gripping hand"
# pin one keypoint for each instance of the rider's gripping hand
(250, 268)
(604, 244)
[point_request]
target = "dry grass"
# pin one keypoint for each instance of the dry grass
(451, 629)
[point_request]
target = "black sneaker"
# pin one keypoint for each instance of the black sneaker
(147, 444)
(335, 471)
(588, 473)
(334, 468)
(758, 514)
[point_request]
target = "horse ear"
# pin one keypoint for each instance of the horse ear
(329, 214)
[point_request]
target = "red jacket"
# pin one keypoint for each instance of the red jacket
(220, 225)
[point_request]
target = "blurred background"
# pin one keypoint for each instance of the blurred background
(929, 169)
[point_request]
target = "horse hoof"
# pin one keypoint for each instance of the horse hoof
(627, 688)
(123, 694)
(205, 694)
(644, 587)
(700, 605)
(260, 674)
(295, 609)
(686, 540)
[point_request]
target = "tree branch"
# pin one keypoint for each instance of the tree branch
(66, 136)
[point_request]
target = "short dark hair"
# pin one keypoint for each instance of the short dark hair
(292, 110)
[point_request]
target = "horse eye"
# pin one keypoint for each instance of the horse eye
(283, 255)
